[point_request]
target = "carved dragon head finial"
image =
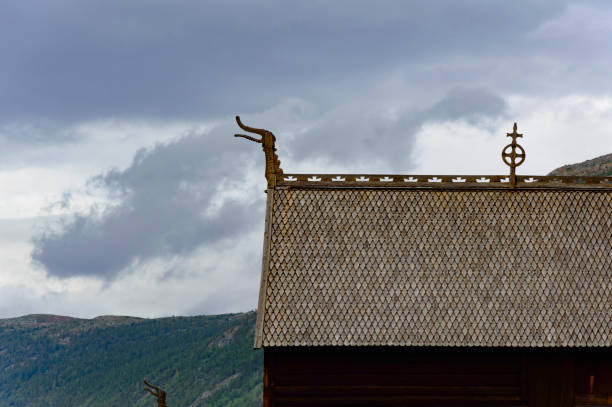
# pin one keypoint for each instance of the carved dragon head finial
(158, 393)
(267, 141)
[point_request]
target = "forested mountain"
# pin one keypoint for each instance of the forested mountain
(55, 361)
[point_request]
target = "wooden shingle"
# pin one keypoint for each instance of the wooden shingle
(410, 263)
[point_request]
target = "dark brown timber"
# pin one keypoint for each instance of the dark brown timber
(399, 376)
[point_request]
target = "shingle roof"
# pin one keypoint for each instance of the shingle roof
(437, 261)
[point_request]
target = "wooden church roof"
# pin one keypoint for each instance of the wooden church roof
(397, 260)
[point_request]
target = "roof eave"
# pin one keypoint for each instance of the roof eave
(264, 271)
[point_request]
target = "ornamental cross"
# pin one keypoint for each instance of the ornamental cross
(511, 156)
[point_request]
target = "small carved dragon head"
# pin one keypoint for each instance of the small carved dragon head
(267, 142)
(158, 393)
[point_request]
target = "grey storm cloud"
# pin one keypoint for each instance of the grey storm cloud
(164, 195)
(75, 60)
(163, 199)
(466, 103)
(209, 60)
(357, 133)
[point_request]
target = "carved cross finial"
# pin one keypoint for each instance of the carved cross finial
(510, 154)
(158, 393)
(267, 141)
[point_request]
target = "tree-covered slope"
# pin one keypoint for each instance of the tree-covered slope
(56, 361)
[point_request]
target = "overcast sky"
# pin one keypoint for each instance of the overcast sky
(122, 190)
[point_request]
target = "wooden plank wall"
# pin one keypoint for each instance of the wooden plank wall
(384, 376)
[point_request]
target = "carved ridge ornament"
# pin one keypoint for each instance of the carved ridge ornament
(158, 393)
(267, 142)
(510, 155)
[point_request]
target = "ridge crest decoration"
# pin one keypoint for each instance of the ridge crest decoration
(510, 155)
(267, 142)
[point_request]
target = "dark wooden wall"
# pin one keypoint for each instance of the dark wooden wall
(387, 376)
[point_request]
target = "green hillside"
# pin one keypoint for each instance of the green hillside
(54, 361)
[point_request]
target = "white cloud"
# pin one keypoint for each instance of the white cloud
(457, 147)
(33, 178)
(563, 131)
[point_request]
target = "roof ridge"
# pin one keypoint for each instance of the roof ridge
(512, 155)
(441, 181)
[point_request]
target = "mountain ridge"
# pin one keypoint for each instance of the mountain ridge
(596, 167)
(53, 360)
